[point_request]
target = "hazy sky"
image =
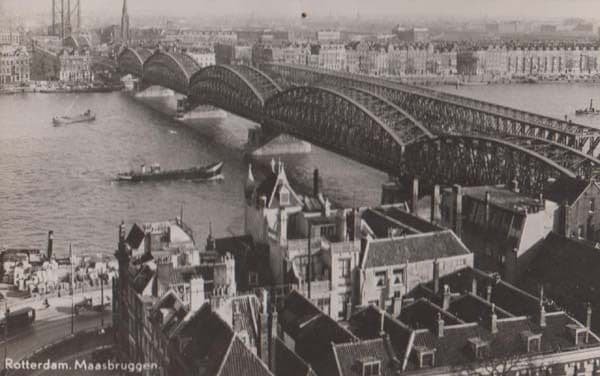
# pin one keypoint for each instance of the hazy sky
(405, 8)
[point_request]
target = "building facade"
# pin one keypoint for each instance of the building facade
(14, 66)
(75, 66)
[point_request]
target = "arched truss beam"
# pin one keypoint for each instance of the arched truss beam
(164, 69)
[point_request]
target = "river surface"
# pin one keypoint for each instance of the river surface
(61, 178)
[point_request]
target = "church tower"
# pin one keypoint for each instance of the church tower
(125, 24)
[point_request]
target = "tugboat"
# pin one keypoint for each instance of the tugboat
(63, 120)
(209, 172)
(588, 111)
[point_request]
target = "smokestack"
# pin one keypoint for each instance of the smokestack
(316, 185)
(446, 298)
(50, 244)
(494, 320)
(440, 326)
(62, 20)
(414, 201)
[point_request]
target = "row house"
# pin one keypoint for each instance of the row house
(75, 66)
(343, 258)
(476, 324)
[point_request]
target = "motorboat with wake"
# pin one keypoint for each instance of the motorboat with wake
(154, 173)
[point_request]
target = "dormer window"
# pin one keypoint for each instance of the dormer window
(425, 356)
(370, 366)
(531, 341)
(478, 347)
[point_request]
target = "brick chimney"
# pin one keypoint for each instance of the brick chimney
(236, 317)
(474, 286)
(457, 209)
(436, 216)
(414, 200)
(273, 321)
(264, 340)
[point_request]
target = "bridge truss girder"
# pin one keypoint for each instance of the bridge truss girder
(164, 70)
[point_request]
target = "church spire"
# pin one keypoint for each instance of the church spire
(125, 24)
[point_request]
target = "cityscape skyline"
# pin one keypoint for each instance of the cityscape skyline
(384, 9)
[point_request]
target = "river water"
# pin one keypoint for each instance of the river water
(61, 178)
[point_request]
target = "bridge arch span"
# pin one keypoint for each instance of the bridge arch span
(169, 69)
(232, 88)
(351, 122)
(479, 160)
(131, 61)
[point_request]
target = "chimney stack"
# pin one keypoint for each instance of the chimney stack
(446, 298)
(440, 326)
(50, 244)
(436, 277)
(457, 208)
(542, 311)
(273, 337)
(414, 201)
(316, 183)
(436, 216)
(488, 293)
(474, 286)
(382, 323)
(588, 321)
(514, 185)
(494, 320)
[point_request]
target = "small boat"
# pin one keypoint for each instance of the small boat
(588, 111)
(63, 120)
(209, 172)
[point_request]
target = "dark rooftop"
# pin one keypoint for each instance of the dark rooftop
(566, 189)
(412, 248)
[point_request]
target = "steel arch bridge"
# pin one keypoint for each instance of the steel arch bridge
(239, 89)
(445, 113)
(401, 129)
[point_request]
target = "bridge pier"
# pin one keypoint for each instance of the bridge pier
(264, 143)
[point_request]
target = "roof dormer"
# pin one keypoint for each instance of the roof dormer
(370, 366)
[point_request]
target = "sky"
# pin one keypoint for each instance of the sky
(321, 8)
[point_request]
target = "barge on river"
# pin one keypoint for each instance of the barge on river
(154, 173)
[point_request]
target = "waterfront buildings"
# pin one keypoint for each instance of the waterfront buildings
(10, 37)
(14, 65)
(203, 56)
(75, 66)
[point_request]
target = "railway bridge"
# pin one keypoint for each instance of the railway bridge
(401, 129)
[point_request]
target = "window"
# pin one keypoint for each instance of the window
(380, 279)
(398, 277)
(284, 197)
(372, 368)
(344, 268)
(592, 204)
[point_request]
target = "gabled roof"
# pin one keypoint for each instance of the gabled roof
(288, 363)
(412, 248)
(350, 355)
(271, 186)
(208, 342)
(366, 324)
(568, 270)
